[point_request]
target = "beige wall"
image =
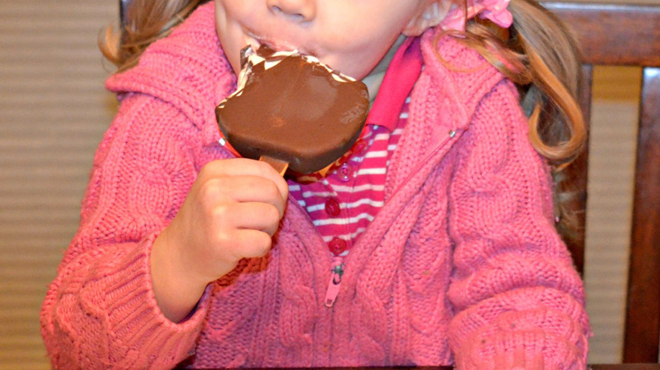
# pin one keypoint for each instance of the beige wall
(612, 160)
(54, 109)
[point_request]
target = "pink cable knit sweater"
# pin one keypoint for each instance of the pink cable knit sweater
(462, 265)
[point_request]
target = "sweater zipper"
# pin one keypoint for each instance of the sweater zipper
(338, 265)
(335, 281)
(337, 270)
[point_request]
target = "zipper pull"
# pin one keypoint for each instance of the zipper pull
(335, 281)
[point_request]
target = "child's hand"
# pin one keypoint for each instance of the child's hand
(231, 212)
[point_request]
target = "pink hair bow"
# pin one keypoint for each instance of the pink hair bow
(494, 10)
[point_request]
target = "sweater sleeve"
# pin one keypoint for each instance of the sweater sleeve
(519, 302)
(100, 311)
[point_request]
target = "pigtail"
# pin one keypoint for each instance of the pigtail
(557, 128)
(541, 56)
(143, 22)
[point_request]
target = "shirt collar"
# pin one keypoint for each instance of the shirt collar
(401, 75)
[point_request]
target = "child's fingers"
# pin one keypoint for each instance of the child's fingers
(256, 216)
(220, 196)
(247, 189)
(245, 167)
(250, 243)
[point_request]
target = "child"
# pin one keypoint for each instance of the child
(432, 242)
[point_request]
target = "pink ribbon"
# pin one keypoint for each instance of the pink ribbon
(494, 10)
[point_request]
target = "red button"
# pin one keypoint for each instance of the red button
(337, 246)
(332, 207)
(345, 172)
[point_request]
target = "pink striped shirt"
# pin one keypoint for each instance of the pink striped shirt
(342, 204)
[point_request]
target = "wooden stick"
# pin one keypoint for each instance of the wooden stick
(279, 165)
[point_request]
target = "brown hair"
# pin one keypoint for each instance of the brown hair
(144, 21)
(540, 54)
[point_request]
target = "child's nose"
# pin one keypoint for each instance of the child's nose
(296, 10)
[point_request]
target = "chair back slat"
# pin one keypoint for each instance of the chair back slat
(643, 304)
(123, 8)
(577, 176)
(612, 33)
(618, 34)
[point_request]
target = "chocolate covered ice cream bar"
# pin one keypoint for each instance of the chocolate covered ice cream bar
(291, 110)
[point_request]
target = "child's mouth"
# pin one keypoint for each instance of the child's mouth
(256, 41)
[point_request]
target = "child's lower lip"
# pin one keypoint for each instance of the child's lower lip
(256, 41)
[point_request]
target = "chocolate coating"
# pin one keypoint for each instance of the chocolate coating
(295, 111)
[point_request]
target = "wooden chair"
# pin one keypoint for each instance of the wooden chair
(614, 34)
